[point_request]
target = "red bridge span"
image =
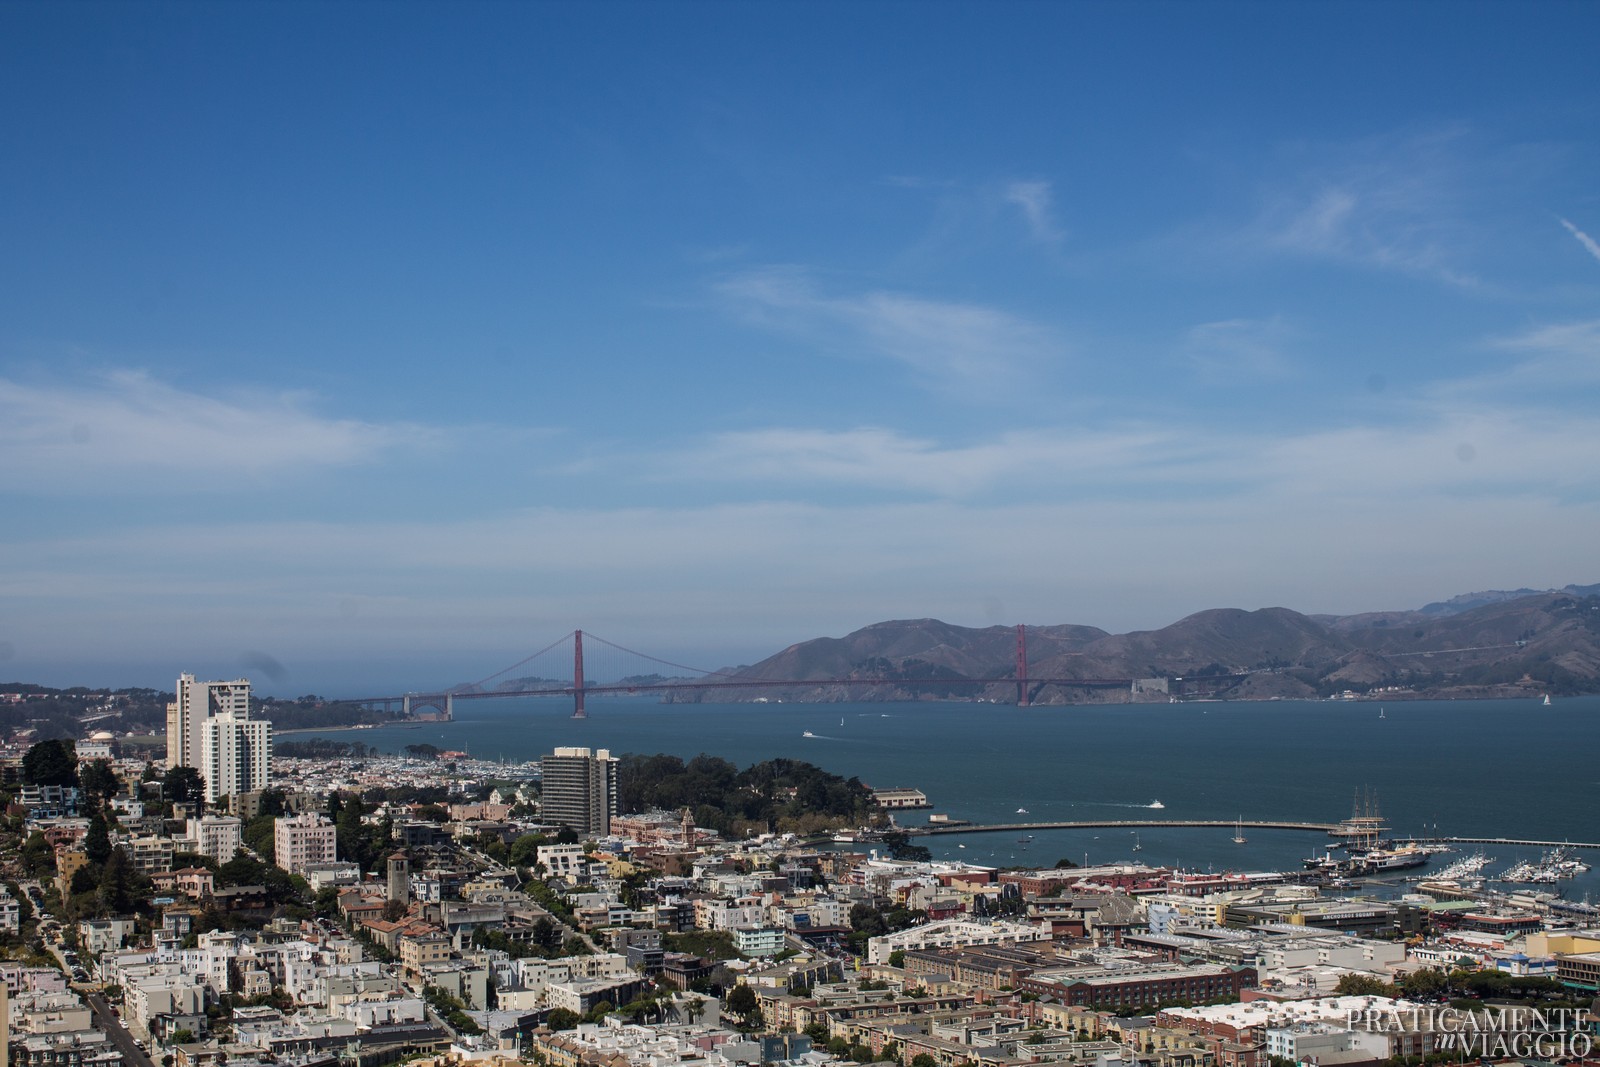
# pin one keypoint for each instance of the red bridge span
(1026, 684)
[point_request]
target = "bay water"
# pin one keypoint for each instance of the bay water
(1493, 768)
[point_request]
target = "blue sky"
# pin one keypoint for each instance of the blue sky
(393, 341)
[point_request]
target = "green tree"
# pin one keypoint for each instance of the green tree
(83, 881)
(562, 1019)
(260, 833)
(97, 842)
(1424, 984)
(742, 1000)
(327, 902)
(524, 850)
(1363, 985)
(98, 782)
(183, 785)
(122, 886)
(51, 763)
(38, 858)
(865, 920)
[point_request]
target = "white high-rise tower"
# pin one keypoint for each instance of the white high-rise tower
(197, 702)
(209, 728)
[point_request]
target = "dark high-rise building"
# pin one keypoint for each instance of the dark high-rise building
(580, 789)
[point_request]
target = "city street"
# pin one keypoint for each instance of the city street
(132, 1055)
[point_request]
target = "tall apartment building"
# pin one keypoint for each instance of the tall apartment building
(580, 789)
(235, 755)
(209, 728)
(301, 840)
(217, 836)
(196, 703)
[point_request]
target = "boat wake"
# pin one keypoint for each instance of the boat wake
(1154, 805)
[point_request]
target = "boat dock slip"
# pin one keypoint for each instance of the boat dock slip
(1134, 824)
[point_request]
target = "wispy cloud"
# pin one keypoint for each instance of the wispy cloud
(1547, 365)
(878, 458)
(1033, 199)
(125, 431)
(1453, 448)
(1398, 203)
(949, 344)
(1584, 239)
(1238, 349)
(969, 218)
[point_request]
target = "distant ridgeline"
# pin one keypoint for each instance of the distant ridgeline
(1494, 643)
(78, 712)
(1489, 644)
(779, 795)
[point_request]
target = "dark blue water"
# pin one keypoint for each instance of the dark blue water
(1470, 768)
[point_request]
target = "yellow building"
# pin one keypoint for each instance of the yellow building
(1544, 945)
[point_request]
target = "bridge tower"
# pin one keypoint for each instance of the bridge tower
(1022, 665)
(577, 675)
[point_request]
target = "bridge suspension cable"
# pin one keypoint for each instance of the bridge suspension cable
(667, 662)
(526, 659)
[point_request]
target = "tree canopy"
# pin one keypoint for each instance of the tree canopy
(51, 763)
(183, 785)
(780, 794)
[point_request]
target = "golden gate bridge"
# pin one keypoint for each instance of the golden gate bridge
(1026, 685)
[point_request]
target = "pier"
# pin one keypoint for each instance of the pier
(1222, 824)
(1514, 841)
(1131, 824)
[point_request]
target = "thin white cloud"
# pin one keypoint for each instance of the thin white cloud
(1584, 239)
(1549, 364)
(877, 458)
(1401, 203)
(1238, 349)
(126, 431)
(770, 574)
(949, 344)
(1456, 445)
(979, 218)
(1034, 200)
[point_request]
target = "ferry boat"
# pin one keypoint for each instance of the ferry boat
(1381, 861)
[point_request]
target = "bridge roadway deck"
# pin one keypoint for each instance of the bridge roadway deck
(1130, 824)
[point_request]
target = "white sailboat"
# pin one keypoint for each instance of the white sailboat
(1238, 831)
